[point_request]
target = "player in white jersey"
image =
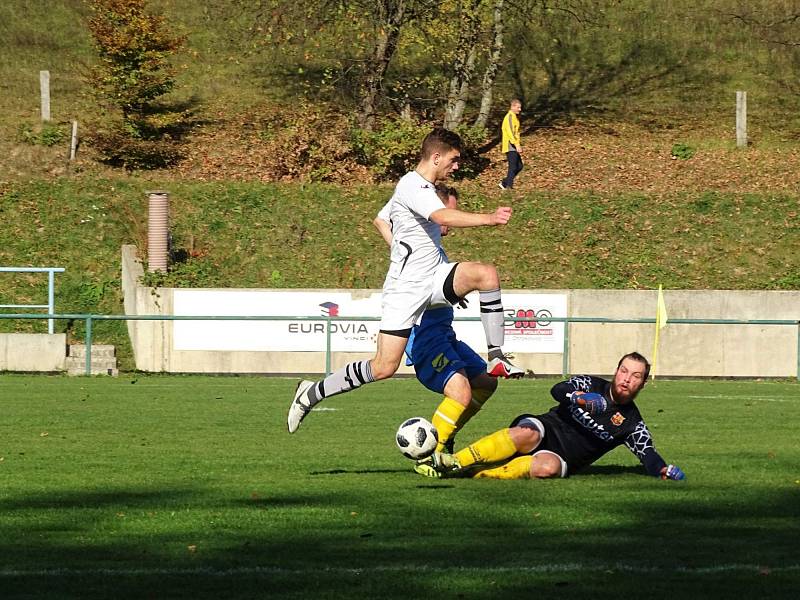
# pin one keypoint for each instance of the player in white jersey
(443, 363)
(420, 276)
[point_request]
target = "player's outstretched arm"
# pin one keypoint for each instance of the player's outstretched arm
(640, 442)
(452, 217)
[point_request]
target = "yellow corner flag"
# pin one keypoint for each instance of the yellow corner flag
(661, 322)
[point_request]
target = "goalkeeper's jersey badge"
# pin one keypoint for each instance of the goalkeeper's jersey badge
(617, 419)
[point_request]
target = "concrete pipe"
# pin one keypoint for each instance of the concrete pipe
(158, 231)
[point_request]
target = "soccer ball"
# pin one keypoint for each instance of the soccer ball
(417, 438)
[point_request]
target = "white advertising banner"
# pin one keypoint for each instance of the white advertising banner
(294, 335)
(540, 336)
(272, 336)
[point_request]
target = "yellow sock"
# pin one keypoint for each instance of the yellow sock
(445, 418)
(517, 468)
(492, 448)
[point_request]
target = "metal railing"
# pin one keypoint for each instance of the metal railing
(50, 306)
(89, 320)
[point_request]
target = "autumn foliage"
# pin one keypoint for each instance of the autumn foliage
(134, 47)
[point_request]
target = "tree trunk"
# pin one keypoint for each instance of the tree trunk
(492, 67)
(463, 93)
(391, 19)
(464, 67)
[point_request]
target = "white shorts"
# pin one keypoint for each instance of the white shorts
(403, 302)
(561, 460)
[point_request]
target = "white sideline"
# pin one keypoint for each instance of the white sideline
(764, 398)
(554, 568)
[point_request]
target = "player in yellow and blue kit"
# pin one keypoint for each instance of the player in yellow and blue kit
(446, 365)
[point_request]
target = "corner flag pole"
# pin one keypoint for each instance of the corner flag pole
(661, 322)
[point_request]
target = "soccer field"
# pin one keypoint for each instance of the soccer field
(170, 486)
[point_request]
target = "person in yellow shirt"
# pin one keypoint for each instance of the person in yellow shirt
(511, 144)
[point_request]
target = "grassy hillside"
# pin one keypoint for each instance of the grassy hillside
(233, 83)
(295, 236)
(602, 201)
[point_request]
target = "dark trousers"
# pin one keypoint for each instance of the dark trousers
(514, 167)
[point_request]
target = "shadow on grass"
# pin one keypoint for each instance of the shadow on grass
(357, 471)
(610, 470)
(333, 543)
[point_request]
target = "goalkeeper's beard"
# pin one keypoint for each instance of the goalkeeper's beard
(623, 396)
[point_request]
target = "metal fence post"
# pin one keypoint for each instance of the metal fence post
(88, 345)
(51, 302)
(327, 346)
(565, 354)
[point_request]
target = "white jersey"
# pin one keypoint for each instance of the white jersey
(416, 240)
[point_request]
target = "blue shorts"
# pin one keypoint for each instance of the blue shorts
(435, 363)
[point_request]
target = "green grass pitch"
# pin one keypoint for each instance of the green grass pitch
(170, 486)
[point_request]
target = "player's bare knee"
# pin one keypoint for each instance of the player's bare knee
(475, 276)
(486, 276)
(525, 438)
(458, 388)
(545, 465)
(383, 369)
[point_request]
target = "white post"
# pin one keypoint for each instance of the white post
(73, 144)
(44, 88)
(741, 119)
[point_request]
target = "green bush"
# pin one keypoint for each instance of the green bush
(392, 150)
(48, 134)
(682, 151)
(194, 272)
(472, 162)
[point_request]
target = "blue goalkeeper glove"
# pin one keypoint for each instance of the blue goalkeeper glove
(672, 472)
(593, 403)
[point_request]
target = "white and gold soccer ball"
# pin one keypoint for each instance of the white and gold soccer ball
(417, 438)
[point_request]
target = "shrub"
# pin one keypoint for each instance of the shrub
(119, 149)
(134, 71)
(472, 161)
(682, 151)
(48, 134)
(392, 149)
(313, 147)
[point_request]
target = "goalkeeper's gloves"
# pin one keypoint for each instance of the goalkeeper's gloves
(672, 472)
(593, 403)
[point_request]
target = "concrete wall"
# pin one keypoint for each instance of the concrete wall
(147, 337)
(40, 352)
(684, 350)
(689, 350)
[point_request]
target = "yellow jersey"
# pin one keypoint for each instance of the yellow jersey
(510, 131)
